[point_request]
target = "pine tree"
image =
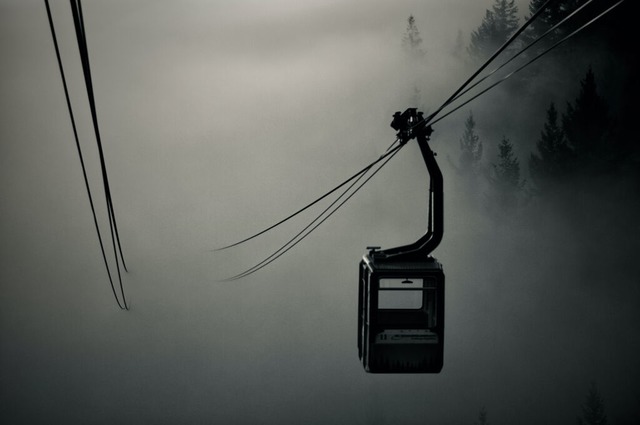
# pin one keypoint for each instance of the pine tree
(497, 26)
(593, 408)
(506, 13)
(470, 148)
(483, 417)
(550, 165)
(505, 180)
(507, 170)
(586, 125)
(412, 45)
(411, 41)
(483, 40)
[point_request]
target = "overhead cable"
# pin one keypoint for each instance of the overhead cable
(80, 155)
(488, 61)
(429, 120)
(290, 244)
(283, 249)
(529, 62)
(523, 50)
(78, 20)
(356, 175)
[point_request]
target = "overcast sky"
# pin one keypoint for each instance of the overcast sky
(218, 118)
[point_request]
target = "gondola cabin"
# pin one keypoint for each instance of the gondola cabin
(401, 316)
(401, 290)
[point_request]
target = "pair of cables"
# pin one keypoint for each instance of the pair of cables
(79, 25)
(433, 118)
(533, 59)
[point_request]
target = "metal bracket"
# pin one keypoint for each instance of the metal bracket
(410, 124)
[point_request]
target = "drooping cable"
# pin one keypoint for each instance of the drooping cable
(76, 7)
(299, 237)
(529, 62)
(456, 95)
(78, 20)
(355, 176)
(79, 149)
(293, 239)
(428, 119)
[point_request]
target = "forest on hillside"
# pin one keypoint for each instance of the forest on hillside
(587, 140)
(572, 186)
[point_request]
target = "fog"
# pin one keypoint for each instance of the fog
(219, 119)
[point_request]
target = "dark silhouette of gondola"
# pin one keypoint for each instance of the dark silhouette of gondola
(401, 290)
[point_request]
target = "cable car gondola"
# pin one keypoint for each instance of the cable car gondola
(401, 290)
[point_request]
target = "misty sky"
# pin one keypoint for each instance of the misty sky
(220, 118)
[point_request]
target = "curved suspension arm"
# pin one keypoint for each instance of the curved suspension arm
(420, 249)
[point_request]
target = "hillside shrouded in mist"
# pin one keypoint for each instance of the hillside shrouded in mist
(219, 119)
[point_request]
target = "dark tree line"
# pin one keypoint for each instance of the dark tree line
(581, 144)
(581, 141)
(584, 138)
(573, 147)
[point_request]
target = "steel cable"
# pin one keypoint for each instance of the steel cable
(535, 58)
(522, 51)
(454, 96)
(80, 155)
(78, 20)
(357, 175)
(277, 254)
(429, 120)
(487, 62)
(76, 7)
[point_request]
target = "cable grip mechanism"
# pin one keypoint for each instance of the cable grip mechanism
(410, 124)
